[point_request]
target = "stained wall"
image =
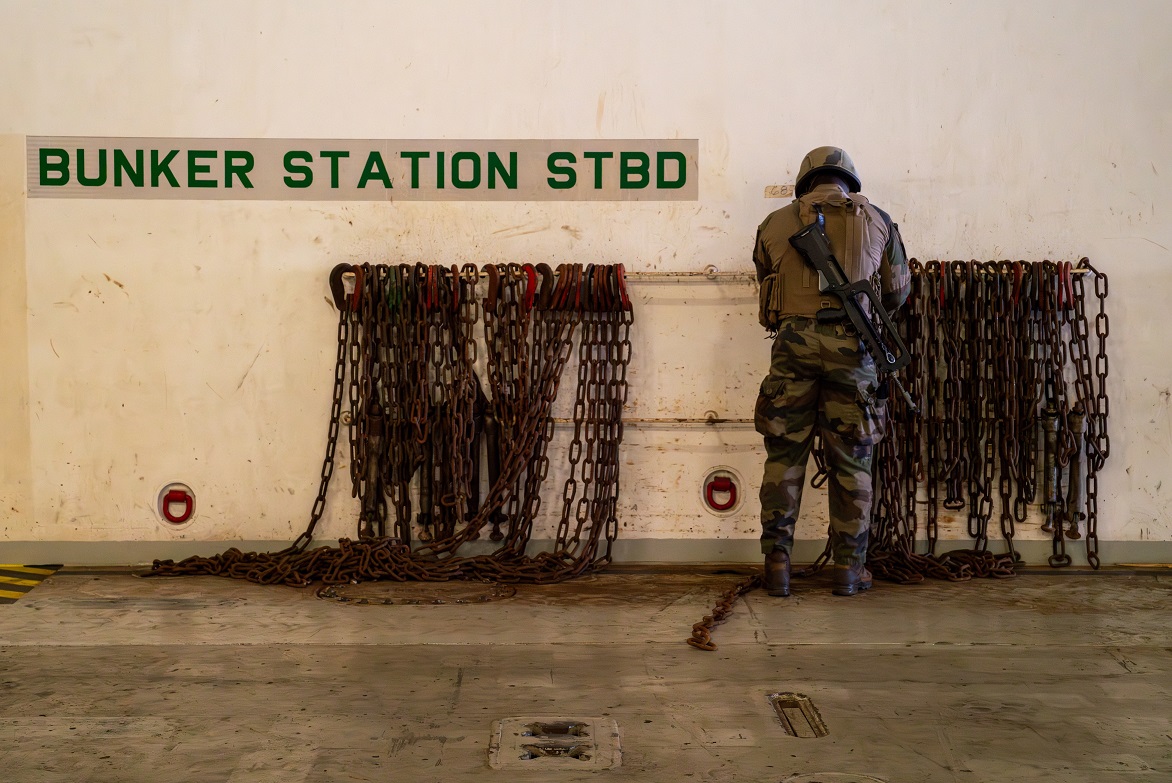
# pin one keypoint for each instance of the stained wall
(145, 342)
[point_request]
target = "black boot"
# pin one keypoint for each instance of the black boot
(852, 579)
(776, 580)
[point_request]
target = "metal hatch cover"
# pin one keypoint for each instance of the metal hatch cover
(555, 743)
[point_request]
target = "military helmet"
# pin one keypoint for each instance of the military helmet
(827, 159)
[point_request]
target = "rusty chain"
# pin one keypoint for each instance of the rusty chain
(1001, 344)
(701, 637)
(406, 360)
(998, 349)
(991, 343)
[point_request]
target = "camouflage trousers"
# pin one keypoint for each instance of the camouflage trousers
(820, 379)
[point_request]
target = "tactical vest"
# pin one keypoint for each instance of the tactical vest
(858, 235)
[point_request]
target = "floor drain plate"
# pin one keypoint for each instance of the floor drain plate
(416, 593)
(555, 743)
(798, 715)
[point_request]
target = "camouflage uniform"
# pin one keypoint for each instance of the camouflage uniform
(820, 375)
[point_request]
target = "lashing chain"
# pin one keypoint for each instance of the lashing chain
(1001, 352)
(407, 345)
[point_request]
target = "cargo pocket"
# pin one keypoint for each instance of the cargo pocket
(866, 423)
(773, 414)
(769, 301)
(765, 296)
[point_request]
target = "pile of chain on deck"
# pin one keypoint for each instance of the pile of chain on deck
(407, 350)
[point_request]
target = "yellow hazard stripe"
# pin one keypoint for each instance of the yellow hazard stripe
(27, 569)
(22, 579)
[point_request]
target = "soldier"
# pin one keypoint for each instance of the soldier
(820, 376)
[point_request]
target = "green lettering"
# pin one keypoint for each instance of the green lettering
(661, 179)
(414, 158)
(241, 169)
(634, 170)
(334, 155)
(136, 175)
(439, 170)
(58, 167)
(305, 171)
(163, 167)
(474, 181)
(598, 157)
(496, 166)
(375, 169)
(195, 167)
(91, 182)
(571, 176)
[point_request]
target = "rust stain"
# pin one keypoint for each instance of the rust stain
(522, 230)
(250, 366)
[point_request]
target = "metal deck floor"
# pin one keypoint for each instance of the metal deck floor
(1054, 677)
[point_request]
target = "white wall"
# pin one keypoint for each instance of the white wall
(147, 342)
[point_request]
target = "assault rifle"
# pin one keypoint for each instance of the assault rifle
(885, 347)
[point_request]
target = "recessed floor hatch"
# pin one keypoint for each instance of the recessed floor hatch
(798, 715)
(555, 743)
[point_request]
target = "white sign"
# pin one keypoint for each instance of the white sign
(364, 170)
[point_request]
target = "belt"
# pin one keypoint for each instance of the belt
(841, 325)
